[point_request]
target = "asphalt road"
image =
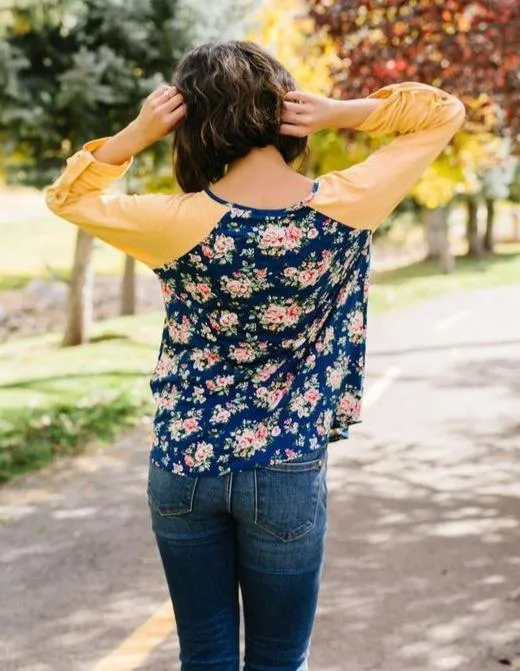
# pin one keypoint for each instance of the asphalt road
(423, 552)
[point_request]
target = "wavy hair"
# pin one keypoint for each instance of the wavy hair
(233, 93)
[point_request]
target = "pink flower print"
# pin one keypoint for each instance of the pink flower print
(293, 235)
(312, 396)
(307, 277)
(177, 469)
(167, 291)
(239, 287)
(203, 452)
(189, 460)
(310, 360)
(166, 402)
(207, 251)
(274, 397)
(180, 332)
(212, 358)
(349, 405)
(335, 377)
(287, 381)
(245, 443)
(165, 366)
(276, 431)
(243, 354)
(293, 312)
(290, 272)
(261, 433)
(366, 287)
(190, 425)
(356, 327)
(275, 314)
(222, 415)
(291, 454)
(228, 319)
(312, 233)
(281, 315)
(203, 289)
(273, 236)
(250, 440)
(220, 383)
(223, 244)
(298, 404)
(265, 372)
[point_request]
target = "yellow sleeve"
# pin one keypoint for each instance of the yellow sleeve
(425, 118)
(153, 228)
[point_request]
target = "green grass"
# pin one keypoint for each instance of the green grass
(54, 400)
(423, 280)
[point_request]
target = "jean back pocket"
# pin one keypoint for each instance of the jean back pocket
(169, 493)
(287, 496)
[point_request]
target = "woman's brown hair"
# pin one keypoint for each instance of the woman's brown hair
(234, 97)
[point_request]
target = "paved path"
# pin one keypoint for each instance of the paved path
(423, 555)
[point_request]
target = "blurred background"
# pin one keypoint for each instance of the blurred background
(80, 324)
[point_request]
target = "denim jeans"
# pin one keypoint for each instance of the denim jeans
(261, 531)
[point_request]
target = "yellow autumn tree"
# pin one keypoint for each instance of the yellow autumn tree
(284, 28)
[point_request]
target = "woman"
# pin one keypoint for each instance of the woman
(264, 277)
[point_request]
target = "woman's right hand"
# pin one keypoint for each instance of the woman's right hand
(161, 112)
(306, 113)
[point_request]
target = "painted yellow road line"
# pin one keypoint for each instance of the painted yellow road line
(136, 647)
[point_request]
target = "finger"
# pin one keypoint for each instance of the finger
(170, 104)
(296, 107)
(162, 92)
(293, 129)
(158, 92)
(177, 115)
(296, 96)
(292, 117)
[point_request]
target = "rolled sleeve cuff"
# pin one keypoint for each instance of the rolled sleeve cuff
(95, 174)
(407, 107)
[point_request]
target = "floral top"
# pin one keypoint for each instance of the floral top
(263, 347)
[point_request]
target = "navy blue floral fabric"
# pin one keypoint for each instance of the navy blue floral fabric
(263, 347)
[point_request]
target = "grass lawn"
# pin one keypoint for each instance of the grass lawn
(53, 401)
(422, 280)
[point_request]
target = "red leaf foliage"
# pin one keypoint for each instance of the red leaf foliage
(467, 48)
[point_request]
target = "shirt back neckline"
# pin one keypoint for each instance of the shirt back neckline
(266, 211)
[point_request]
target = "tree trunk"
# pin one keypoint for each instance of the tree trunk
(128, 293)
(81, 292)
(432, 234)
(472, 236)
(490, 220)
(516, 224)
(437, 235)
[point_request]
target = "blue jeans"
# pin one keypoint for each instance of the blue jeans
(262, 531)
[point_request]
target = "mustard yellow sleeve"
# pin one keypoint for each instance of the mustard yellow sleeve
(153, 228)
(425, 118)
